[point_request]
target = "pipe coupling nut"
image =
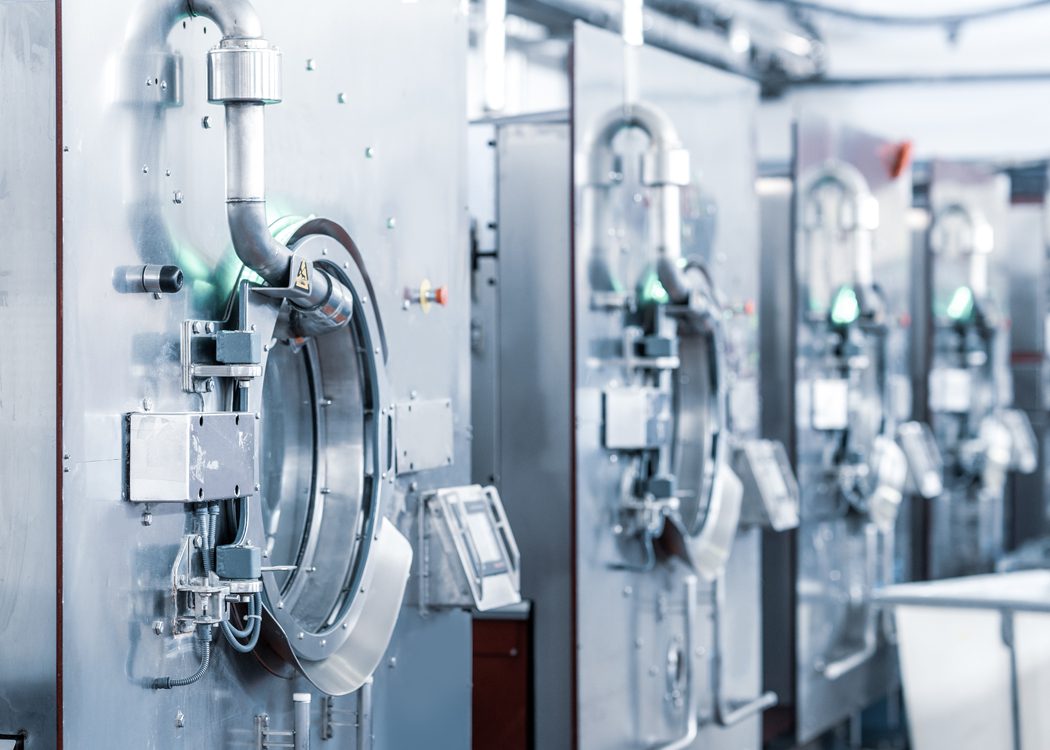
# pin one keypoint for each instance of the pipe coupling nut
(244, 70)
(665, 166)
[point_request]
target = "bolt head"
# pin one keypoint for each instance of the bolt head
(147, 519)
(206, 122)
(158, 627)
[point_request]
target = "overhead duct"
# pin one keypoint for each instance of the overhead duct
(661, 30)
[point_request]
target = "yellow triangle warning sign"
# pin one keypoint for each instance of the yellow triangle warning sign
(302, 277)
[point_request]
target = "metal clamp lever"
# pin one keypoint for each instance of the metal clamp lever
(692, 726)
(726, 714)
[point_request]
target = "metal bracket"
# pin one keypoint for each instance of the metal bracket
(424, 435)
(196, 373)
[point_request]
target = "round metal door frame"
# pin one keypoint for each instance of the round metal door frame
(701, 362)
(307, 644)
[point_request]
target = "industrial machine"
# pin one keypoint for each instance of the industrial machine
(970, 389)
(836, 390)
(616, 397)
(255, 527)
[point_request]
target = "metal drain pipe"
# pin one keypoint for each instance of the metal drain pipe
(244, 75)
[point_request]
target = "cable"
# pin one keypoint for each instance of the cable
(252, 631)
(951, 19)
(204, 637)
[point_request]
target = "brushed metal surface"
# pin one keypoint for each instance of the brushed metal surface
(143, 183)
(810, 579)
(968, 534)
(28, 378)
(535, 329)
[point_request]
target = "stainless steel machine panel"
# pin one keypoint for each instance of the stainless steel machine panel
(142, 183)
(970, 380)
(832, 660)
(616, 646)
(29, 381)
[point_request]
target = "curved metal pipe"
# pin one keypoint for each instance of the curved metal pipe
(865, 212)
(325, 302)
(235, 18)
(665, 168)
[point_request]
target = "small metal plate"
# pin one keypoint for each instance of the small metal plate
(424, 435)
(190, 457)
(636, 418)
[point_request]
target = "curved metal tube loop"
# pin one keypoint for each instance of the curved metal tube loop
(865, 211)
(725, 714)
(692, 724)
(978, 246)
(665, 168)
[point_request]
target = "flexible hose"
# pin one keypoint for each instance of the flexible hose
(204, 636)
(204, 531)
(253, 631)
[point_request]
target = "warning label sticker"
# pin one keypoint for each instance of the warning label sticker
(302, 277)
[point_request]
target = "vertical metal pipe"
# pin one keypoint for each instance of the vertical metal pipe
(494, 54)
(364, 716)
(301, 725)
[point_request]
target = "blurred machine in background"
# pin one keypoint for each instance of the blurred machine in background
(836, 388)
(968, 366)
(616, 398)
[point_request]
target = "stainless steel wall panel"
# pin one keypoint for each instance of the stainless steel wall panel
(28, 378)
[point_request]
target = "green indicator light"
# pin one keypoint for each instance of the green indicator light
(960, 307)
(844, 308)
(652, 291)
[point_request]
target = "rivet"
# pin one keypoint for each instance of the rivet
(167, 173)
(145, 169)
(370, 152)
(311, 64)
(147, 404)
(301, 635)
(391, 223)
(393, 662)
(163, 85)
(341, 98)
(346, 626)
(280, 605)
(206, 122)
(324, 251)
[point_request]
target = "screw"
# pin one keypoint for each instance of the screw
(324, 642)
(341, 98)
(627, 590)
(301, 635)
(145, 169)
(257, 488)
(163, 85)
(346, 626)
(147, 404)
(280, 605)
(393, 662)
(311, 64)
(210, 328)
(180, 719)
(206, 122)
(370, 152)
(176, 197)
(413, 487)
(158, 627)
(391, 223)
(147, 518)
